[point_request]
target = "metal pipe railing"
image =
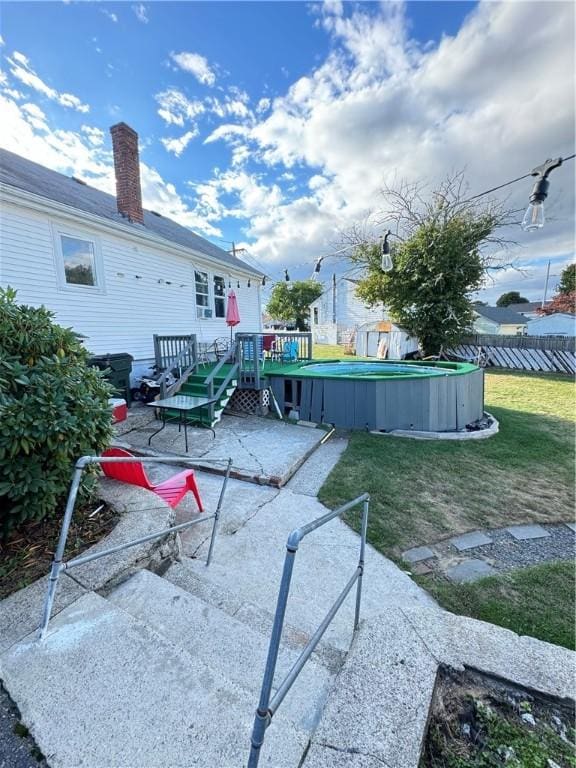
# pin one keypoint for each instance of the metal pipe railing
(267, 704)
(58, 564)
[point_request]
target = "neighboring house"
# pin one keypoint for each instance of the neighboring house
(558, 324)
(500, 321)
(528, 308)
(109, 269)
(337, 313)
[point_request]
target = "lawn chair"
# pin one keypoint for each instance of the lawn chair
(290, 352)
(172, 491)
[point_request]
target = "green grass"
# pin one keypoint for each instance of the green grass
(537, 601)
(327, 351)
(424, 491)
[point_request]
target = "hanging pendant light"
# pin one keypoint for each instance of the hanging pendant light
(386, 264)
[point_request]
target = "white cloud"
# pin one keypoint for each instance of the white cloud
(80, 155)
(177, 146)
(112, 16)
(94, 135)
(21, 69)
(196, 65)
(379, 109)
(263, 105)
(175, 108)
(35, 116)
(141, 13)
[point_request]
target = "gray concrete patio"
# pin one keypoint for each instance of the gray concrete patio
(263, 450)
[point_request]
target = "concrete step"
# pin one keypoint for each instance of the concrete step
(220, 641)
(106, 690)
(378, 709)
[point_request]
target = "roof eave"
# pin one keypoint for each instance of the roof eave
(42, 203)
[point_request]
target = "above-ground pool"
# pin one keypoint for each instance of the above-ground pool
(382, 395)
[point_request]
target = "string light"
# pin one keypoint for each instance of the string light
(264, 281)
(286, 276)
(249, 284)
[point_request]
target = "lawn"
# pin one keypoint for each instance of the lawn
(327, 351)
(424, 491)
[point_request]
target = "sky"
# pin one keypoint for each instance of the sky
(276, 125)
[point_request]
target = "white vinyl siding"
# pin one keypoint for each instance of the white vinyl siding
(147, 290)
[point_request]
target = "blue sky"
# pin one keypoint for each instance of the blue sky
(276, 124)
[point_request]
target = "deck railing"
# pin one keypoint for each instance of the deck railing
(255, 349)
(175, 356)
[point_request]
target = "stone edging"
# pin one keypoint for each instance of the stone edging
(480, 434)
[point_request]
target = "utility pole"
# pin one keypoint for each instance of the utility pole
(546, 285)
(334, 298)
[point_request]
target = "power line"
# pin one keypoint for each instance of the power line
(512, 181)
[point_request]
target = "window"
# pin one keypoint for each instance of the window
(219, 297)
(202, 295)
(315, 315)
(79, 260)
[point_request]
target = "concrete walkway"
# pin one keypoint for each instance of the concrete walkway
(165, 670)
(264, 451)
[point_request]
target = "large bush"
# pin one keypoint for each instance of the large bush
(53, 409)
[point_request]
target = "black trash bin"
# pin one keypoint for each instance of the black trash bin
(119, 368)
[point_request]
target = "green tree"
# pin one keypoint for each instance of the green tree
(53, 409)
(290, 302)
(441, 255)
(511, 297)
(567, 282)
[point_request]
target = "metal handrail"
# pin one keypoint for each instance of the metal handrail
(58, 564)
(267, 706)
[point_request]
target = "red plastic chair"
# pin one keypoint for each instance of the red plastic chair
(172, 490)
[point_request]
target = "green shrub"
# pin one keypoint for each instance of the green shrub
(53, 409)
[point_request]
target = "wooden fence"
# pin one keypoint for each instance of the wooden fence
(524, 353)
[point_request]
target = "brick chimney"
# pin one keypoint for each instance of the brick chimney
(127, 170)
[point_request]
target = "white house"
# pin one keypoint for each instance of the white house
(500, 321)
(109, 269)
(558, 324)
(527, 308)
(337, 314)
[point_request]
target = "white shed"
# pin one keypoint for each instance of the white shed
(384, 340)
(558, 324)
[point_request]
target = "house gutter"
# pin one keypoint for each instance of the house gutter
(43, 204)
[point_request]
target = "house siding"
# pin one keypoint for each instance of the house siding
(350, 313)
(125, 315)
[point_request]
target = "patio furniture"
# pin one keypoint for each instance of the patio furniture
(184, 405)
(172, 491)
(290, 352)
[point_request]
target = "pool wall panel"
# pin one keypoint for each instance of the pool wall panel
(434, 403)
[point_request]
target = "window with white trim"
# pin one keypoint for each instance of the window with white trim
(202, 294)
(219, 296)
(78, 261)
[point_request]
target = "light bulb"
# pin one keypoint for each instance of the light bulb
(386, 263)
(534, 216)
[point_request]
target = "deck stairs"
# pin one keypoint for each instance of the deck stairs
(196, 386)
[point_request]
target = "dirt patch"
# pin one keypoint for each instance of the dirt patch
(27, 553)
(479, 722)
